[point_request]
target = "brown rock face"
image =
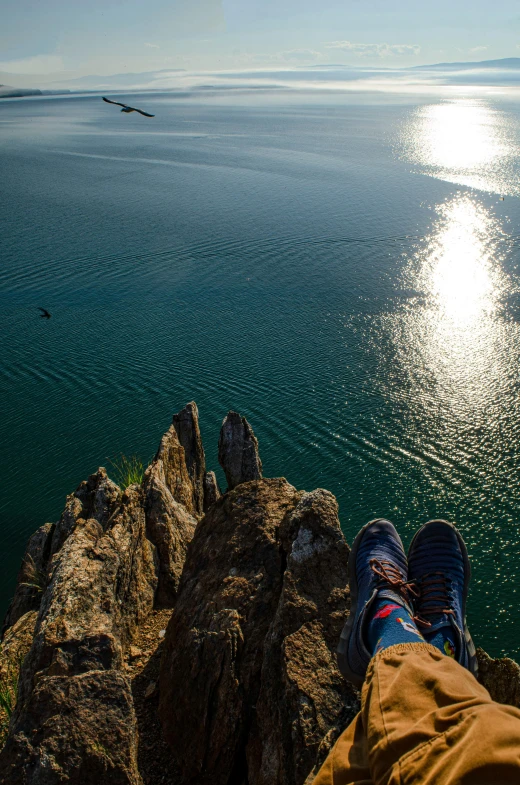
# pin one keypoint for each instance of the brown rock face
(17, 641)
(211, 490)
(500, 677)
(71, 740)
(97, 498)
(101, 587)
(238, 451)
(299, 651)
(186, 424)
(169, 466)
(256, 619)
(32, 577)
(169, 525)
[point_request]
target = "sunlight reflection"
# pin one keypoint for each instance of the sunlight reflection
(458, 263)
(460, 135)
(449, 341)
(464, 141)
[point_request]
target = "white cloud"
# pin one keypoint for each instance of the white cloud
(478, 49)
(152, 46)
(375, 50)
(40, 64)
(303, 55)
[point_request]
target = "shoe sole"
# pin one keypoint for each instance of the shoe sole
(344, 640)
(472, 653)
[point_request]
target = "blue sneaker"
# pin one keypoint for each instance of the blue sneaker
(377, 569)
(439, 567)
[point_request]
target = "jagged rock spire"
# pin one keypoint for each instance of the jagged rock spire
(238, 451)
(211, 490)
(186, 424)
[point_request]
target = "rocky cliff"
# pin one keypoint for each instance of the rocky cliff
(166, 633)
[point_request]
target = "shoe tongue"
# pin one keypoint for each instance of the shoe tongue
(438, 621)
(390, 594)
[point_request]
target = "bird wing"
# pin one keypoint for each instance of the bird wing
(144, 113)
(113, 102)
(44, 311)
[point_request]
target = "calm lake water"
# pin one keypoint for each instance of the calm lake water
(341, 271)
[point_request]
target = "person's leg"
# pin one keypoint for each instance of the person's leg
(427, 720)
(347, 763)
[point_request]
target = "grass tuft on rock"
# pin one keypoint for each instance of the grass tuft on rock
(33, 578)
(128, 470)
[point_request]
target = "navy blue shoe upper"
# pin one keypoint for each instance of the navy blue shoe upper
(377, 568)
(438, 565)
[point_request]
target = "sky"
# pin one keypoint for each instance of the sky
(67, 37)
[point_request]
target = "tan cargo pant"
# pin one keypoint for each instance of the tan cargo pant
(425, 720)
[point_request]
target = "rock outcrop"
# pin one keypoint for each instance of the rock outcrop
(170, 523)
(97, 498)
(260, 606)
(135, 607)
(238, 451)
(111, 559)
(211, 490)
(500, 677)
(32, 576)
(74, 719)
(186, 423)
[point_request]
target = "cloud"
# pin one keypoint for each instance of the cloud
(301, 55)
(478, 49)
(40, 64)
(152, 46)
(375, 50)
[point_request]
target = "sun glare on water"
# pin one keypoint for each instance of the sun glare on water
(464, 141)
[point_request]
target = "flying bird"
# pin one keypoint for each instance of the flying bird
(44, 313)
(128, 109)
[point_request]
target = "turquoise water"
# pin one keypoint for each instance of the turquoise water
(340, 270)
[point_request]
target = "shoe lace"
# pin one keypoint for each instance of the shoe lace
(393, 576)
(434, 597)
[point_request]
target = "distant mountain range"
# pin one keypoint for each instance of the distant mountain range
(505, 71)
(508, 63)
(6, 91)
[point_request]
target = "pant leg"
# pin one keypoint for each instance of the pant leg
(347, 762)
(427, 720)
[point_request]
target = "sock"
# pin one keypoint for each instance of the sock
(390, 623)
(442, 638)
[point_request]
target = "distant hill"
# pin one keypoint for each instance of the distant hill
(17, 92)
(507, 63)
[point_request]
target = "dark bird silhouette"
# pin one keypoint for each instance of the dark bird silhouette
(44, 313)
(128, 109)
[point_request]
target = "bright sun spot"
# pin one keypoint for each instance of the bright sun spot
(458, 261)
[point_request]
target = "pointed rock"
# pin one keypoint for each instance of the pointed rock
(238, 451)
(186, 424)
(249, 684)
(211, 490)
(170, 514)
(294, 735)
(97, 498)
(32, 577)
(169, 465)
(74, 703)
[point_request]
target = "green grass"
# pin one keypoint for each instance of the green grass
(128, 470)
(33, 577)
